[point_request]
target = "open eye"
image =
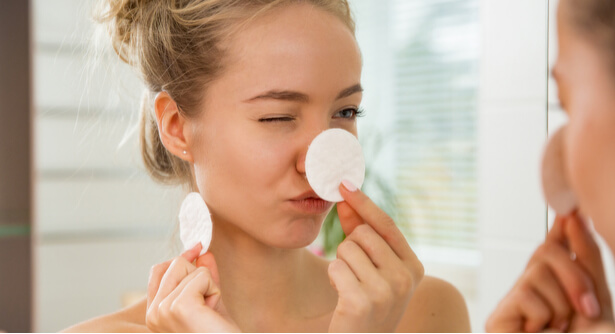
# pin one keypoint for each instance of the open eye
(349, 113)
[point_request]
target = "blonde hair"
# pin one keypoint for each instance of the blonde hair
(175, 45)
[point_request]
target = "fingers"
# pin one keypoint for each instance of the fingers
(535, 311)
(191, 254)
(199, 286)
(378, 251)
(527, 308)
(385, 282)
(543, 282)
(378, 268)
(557, 289)
(349, 219)
(157, 272)
(200, 282)
(556, 234)
(590, 293)
(155, 276)
(372, 215)
(571, 277)
(179, 268)
(196, 297)
(209, 261)
(358, 262)
(342, 278)
(582, 243)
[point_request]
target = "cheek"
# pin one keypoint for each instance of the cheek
(590, 157)
(236, 162)
(576, 157)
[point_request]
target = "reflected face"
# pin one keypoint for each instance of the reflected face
(291, 74)
(586, 85)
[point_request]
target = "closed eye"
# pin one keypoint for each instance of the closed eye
(276, 119)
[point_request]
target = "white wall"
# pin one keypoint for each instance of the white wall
(100, 221)
(512, 130)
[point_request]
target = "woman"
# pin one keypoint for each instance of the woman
(236, 92)
(564, 286)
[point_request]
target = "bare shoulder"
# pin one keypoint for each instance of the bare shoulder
(128, 320)
(436, 306)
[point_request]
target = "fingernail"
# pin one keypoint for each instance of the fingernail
(590, 305)
(349, 186)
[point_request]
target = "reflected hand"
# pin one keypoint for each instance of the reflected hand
(563, 287)
(182, 297)
(376, 271)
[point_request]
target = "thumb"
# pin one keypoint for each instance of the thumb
(208, 261)
(214, 301)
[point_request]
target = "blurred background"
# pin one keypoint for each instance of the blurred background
(458, 105)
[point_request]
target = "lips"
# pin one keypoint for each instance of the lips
(307, 195)
(309, 203)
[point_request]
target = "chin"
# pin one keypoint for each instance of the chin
(299, 233)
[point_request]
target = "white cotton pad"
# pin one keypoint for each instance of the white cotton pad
(333, 156)
(195, 222)
(555, 185)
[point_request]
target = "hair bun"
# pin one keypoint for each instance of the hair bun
(122, 19)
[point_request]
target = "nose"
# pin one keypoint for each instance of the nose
(301, 163)
(304, 144)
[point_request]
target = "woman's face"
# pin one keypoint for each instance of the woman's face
(586, 85)
(291, 74)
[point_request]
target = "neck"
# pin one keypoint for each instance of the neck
(261, 284)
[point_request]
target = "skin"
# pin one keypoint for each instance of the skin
(283, 85)
(556, 292)
(586, 80)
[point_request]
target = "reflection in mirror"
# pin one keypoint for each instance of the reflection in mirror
(444, 96)
(557, 118)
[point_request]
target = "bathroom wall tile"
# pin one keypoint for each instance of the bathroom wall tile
(83, 279)
(99, 205)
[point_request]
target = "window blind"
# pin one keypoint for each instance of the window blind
(436, 51)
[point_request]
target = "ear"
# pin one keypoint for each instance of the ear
(172, 127)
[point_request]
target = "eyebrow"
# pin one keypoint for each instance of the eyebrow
(287, 95)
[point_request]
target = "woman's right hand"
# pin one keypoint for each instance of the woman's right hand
(182, 297)
(563, 287)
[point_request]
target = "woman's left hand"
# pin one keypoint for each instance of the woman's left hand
(376, 271)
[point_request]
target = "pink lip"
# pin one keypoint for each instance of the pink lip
(309, 202)
(307, 194)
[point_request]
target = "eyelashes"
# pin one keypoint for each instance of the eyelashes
(347, 113)
(276, 119)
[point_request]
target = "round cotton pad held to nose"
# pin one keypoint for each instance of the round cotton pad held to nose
(555, 185)
(333, 156)
(195, 222)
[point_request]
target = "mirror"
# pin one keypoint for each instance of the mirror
(455, 94)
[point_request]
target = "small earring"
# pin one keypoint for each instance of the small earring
(185, 152)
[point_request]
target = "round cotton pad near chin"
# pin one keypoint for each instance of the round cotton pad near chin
(195, 222)
(555, 185)
(333, 156)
